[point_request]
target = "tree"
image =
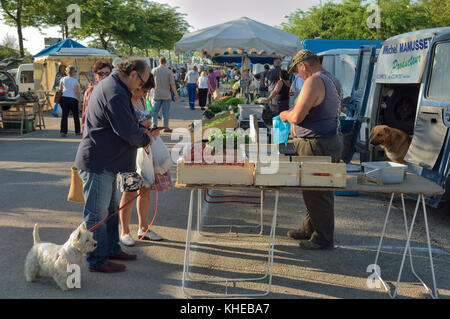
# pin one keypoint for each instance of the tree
(53, 13)
(348, 20)
(16, 14)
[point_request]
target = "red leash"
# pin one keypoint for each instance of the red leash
(127, 203)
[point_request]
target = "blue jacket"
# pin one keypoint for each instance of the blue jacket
(111, 135)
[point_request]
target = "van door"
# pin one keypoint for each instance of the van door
(428, 154)
(351, 123)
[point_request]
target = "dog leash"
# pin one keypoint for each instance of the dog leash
(126, 204)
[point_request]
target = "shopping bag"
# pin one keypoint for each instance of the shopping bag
(57, 111)
(183, 92)
(161, 156)
(216, 95)
(280, 130)
(76, 187)
(144, 165)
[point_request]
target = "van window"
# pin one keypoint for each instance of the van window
(438, 84)
(26, 77)
(362, 81)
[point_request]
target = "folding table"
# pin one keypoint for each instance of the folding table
(413, 185)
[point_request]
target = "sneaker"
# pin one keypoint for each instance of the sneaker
(151, 235)
(127, 240)
(63, 134)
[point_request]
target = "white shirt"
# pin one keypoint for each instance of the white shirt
(203, 82)
(191, 77)
(69, 83)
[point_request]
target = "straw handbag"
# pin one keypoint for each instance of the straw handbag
(76, 188)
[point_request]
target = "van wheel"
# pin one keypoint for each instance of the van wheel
(401, 110)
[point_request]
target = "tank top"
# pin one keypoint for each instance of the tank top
(323, 119)
(283, 97)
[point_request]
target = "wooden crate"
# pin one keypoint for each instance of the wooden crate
(316, 159)
(287, 174)
(215, 174)
(323, 174)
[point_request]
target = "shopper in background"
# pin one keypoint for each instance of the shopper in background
(164, 90)
(280, 94)
(101, 70)
(213, 82)
(203, 87)
(70, 100)
(191, 84)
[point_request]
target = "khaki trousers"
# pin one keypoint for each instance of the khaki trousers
(319, 220)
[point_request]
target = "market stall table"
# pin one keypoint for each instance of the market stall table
(15, 112)
(413, 185)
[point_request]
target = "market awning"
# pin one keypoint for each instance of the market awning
(245, 34)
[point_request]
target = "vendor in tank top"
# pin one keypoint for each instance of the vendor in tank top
(315, 122)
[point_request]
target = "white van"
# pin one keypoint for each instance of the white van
(410, 91)
(25, 77)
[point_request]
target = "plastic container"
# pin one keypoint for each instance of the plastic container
(387, 172)
(245, 110)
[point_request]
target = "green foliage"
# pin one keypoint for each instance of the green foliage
(348, 19)
(223, 104)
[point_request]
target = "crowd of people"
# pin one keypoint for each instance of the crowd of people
(116, 122)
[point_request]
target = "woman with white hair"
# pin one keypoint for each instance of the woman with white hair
(70, 100)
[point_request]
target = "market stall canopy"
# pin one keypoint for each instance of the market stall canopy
(235, 56)
(243, 33)
(67, 52)
(68, 43)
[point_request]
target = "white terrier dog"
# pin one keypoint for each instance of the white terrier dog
(51, 260)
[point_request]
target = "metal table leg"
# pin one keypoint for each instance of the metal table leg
(269, 269)
(260, 225)
(421, 198)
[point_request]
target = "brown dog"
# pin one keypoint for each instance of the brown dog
(394, 142)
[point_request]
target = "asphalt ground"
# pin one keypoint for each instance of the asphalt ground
(35, 179)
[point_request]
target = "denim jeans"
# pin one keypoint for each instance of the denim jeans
(102, 198)
(165, 106)
(192, 92)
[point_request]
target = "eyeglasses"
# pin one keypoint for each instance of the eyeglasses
(139, 76)
(103, 73)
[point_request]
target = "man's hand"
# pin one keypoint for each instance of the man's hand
(175, 98)
(283, 116)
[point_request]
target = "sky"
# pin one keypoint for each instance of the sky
(200, 14)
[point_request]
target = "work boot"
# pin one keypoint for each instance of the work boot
(298, 234)
(310, 245)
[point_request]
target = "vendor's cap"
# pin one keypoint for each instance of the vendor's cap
(301, 56)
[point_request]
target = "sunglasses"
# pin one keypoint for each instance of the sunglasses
(103, 73)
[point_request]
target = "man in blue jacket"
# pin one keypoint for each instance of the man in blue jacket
(110, 141)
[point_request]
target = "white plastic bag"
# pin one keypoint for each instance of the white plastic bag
(161, 156)
(144, 165)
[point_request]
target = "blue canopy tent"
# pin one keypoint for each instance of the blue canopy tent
(68, 43)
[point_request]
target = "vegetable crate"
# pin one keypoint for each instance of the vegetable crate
(323, 174)
(214, 174)
(277, 174)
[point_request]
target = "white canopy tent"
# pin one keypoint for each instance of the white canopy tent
(244, 35)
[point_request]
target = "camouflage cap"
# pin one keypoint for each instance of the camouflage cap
(301, 56)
